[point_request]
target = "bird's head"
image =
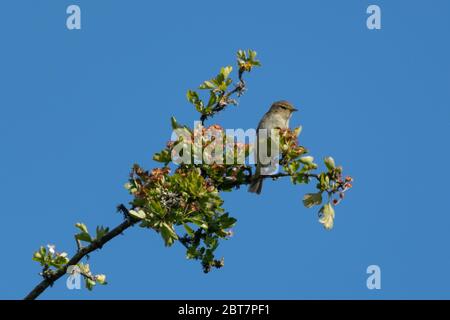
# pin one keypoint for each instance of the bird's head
(282, 107)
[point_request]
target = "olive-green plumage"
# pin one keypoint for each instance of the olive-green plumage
(278, 116)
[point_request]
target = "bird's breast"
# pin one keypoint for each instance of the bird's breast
(271, 121)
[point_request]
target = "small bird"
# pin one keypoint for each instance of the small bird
(278, 116)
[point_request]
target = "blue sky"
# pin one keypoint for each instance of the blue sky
(78, 108)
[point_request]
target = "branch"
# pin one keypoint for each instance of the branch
(189, 198)
(224, 101)
(280, 175)
(248, 180)
(83, 252)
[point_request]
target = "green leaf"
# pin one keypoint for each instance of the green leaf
(83, 236)
(326, 214)
(82, 227)
(225, 71)
(60, 260)
(157, 208)
(100, 279)
(140, 214)
(214, 244)
(192, 96)
(163, 156)
(90, 284)
(37, 256)
(324, 181)
(293, 166)
(207, 85)
(174, 123)
(212, 100)
(168, 234)
(312, 199)
(227, 221)
(189, 230)
(100, 232)
(297, 131)
(247, 60)
(192, 253)
(301, 178)
(199, 222)
(84, 268)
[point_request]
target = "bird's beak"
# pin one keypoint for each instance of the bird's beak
(294, 109)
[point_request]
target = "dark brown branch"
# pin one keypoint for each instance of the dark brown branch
(234, 184)
(83, 252)
(51, 276)
(280, 175)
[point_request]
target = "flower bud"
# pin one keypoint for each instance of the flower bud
(307, 160)
(100, 278)
(37, 256)
(329, 162)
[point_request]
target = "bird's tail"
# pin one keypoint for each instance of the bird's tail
(256, 185)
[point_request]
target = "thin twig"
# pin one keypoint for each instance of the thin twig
(248, 179)
(224, 100)
(81, 253)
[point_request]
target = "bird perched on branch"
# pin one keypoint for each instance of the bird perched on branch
(277, 117)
